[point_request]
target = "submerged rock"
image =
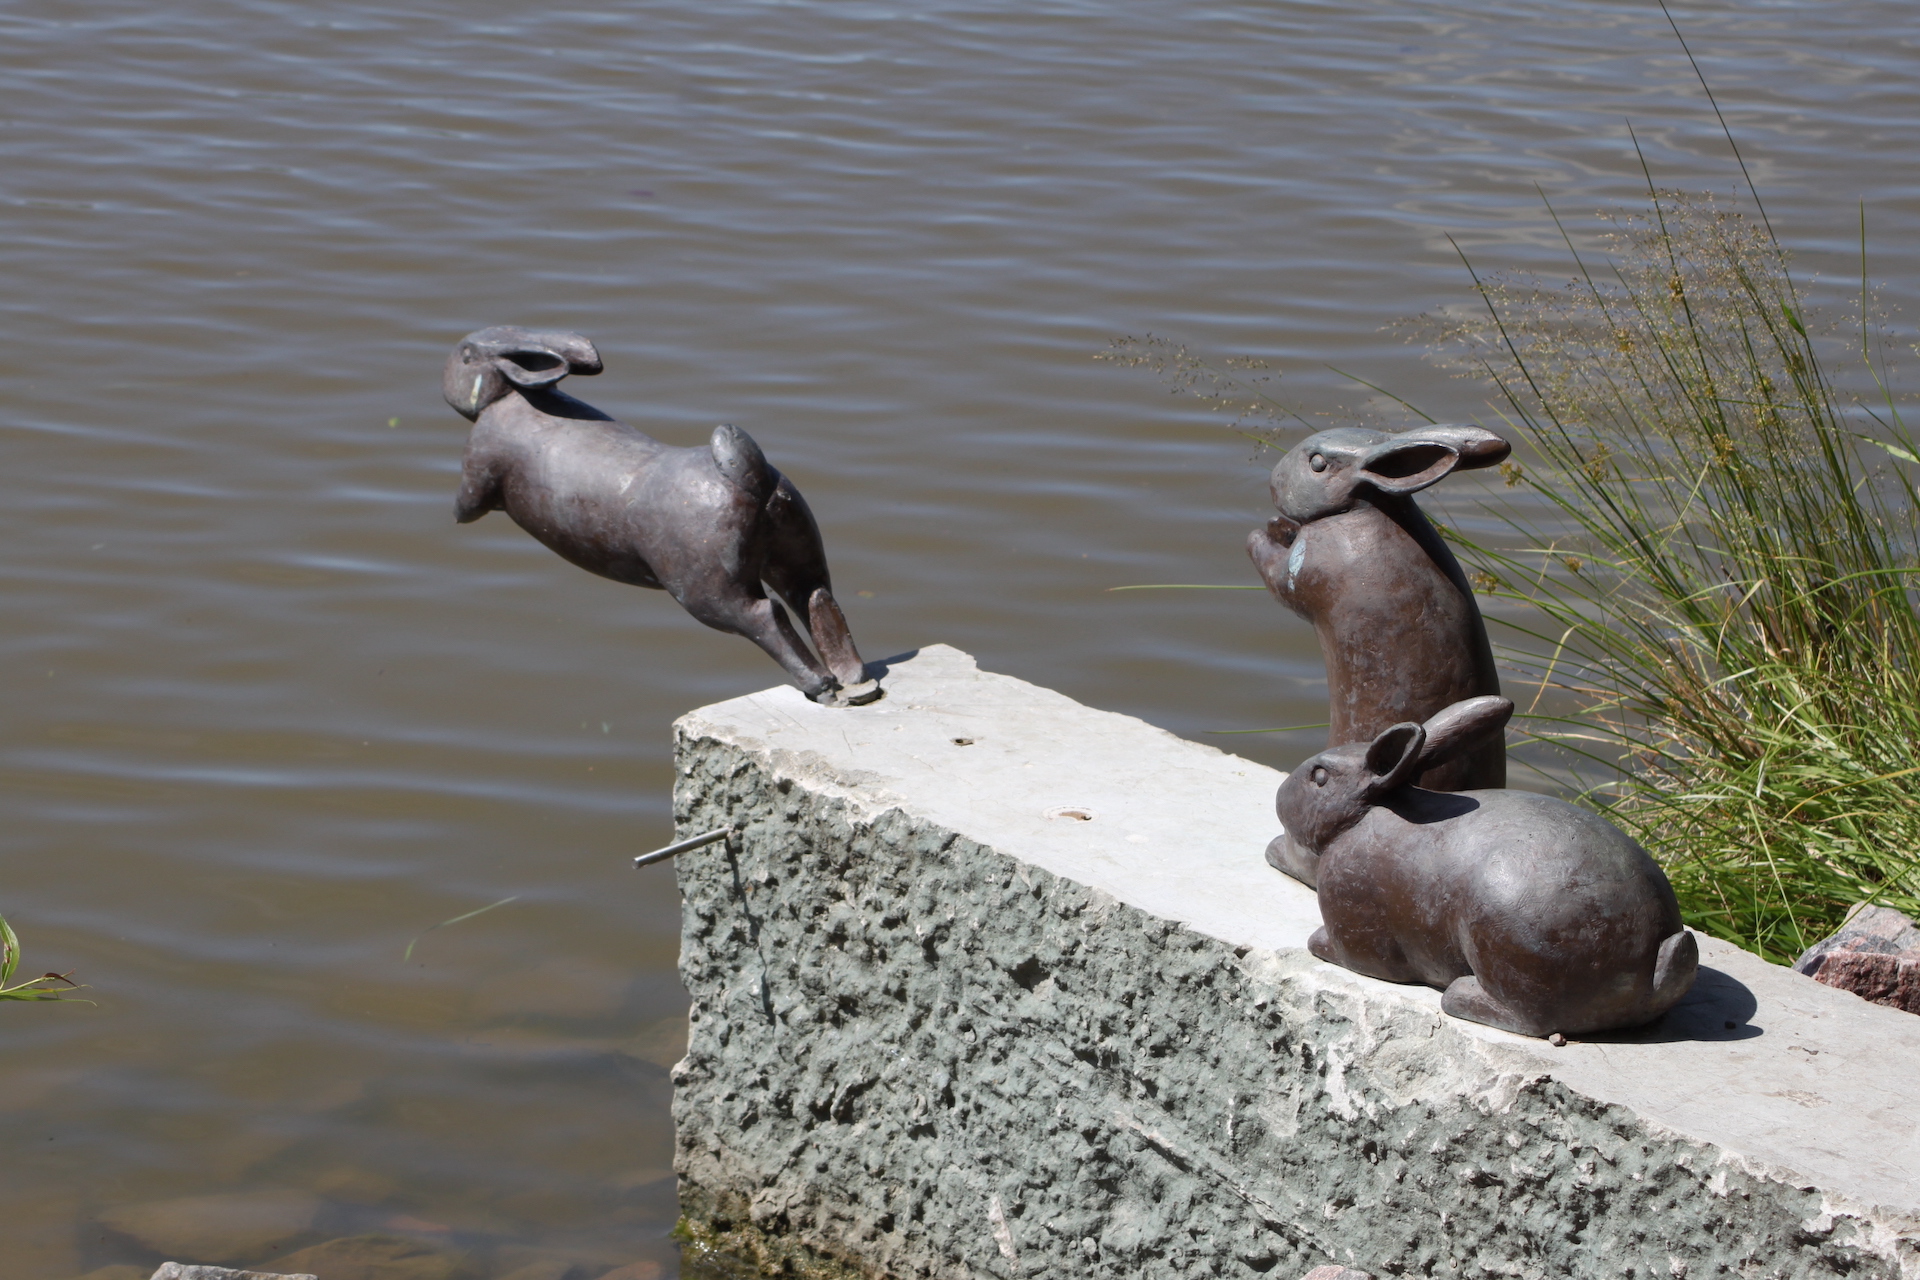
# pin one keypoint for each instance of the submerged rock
(561, 1269)
(549, 1269)
(1875, 954)
(523, 1262)
(185, 1271)
(374, 1258)
(242, 1228)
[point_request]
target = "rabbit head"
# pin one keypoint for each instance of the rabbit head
(1329, 471)
(1334, 790)
(487, 364)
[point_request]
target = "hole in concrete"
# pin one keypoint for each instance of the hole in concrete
(1029, 973)
(963, 742)
(1075, 812)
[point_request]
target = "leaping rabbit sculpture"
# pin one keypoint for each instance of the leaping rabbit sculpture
(714, 527)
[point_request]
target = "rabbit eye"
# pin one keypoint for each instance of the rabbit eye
(1319, 776)
(1318, 462)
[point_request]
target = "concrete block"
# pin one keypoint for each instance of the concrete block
(991, 983)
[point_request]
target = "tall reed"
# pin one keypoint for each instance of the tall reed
(1724, 577)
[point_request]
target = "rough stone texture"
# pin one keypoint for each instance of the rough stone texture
(1875, 954)
(1881, 930)
(1335, 1272)
(944, 1027)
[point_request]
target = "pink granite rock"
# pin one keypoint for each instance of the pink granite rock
(1875, 954)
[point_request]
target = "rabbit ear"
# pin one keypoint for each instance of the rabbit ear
(1461, 727)
(1411, 460)
(1394, 757)
(1408, 466)
(531, 366)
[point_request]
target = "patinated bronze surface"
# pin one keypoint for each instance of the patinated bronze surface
(1350, 551)
(715, 527)
(1532, 915)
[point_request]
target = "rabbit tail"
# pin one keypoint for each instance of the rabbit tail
(1674, 971)
(742, 463)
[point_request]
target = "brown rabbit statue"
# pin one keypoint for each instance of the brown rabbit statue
(1532, 915)
(1350, 551)
(716, 527)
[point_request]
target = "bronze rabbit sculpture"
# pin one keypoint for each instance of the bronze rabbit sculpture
(1532, 915)
(715, 527)
(1350, 551)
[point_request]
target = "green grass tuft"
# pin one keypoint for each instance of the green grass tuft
(1725, 577)
(48, 986)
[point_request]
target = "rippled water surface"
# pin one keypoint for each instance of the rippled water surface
(270, 714)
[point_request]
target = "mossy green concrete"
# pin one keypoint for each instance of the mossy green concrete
(718, 1237)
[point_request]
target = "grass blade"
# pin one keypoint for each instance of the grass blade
(456, 920)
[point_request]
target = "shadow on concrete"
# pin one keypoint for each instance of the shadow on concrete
(878, 669)
(1718, 1008)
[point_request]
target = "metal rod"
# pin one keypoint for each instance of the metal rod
(697, 842)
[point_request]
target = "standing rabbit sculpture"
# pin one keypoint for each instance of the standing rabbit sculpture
(1349, 550)
(1530, 914)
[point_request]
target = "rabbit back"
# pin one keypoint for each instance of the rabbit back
(1401, 632)
(1557, 915)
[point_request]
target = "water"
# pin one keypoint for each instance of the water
(272, 715)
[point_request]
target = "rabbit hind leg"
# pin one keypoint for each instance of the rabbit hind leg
(831, 637)
(798, 572)
(1467, 999)
(728, 607)
(1388, 968)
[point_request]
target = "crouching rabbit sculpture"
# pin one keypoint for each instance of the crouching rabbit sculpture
(1530, 914)
(715, 527)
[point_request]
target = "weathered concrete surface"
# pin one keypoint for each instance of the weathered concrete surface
(942, 1027)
